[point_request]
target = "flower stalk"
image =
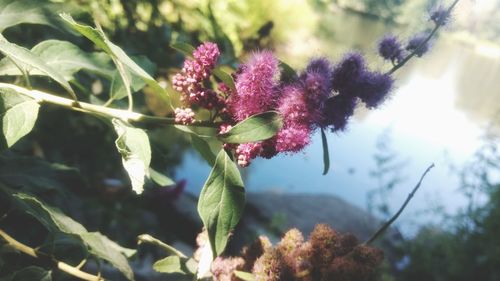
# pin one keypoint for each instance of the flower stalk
(423, 43)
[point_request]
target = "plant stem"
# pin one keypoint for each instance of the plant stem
(58, 264)
(125, 115)
(386, 225)
(423, 43)
(146, 238)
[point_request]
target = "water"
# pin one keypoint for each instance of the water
(436, 115)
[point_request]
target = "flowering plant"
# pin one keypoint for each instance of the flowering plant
(262, 109)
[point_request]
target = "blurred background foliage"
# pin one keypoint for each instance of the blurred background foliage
(88, 182)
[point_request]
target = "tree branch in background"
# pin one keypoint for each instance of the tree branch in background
(386, 225)
(74, 271)
(423, 43)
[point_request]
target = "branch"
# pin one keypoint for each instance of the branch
(125, 115)
(386, 225)
(58, 264)
(423, 43)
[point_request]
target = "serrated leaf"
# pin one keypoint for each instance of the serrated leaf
(245, 276)
(100, 39)
(66, 57)
(133, 145)
(326, 154)
(118, 88)
(160, 178)
(258, 127)
(98, 244)
(29, 273)
(171, 264)
(225, 77)
(14, 12)
(18, 115)
(29, 61)
(184, 48)
(221, 201)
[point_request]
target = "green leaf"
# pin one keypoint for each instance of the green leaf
(36, 175)
(160, 178)
(14, 12)
(98, 244)
(133, 145)
(204, 141)
(184, 48)
(18, 116)
(225, 77)
(65, 247)
(326, 155)
(221, 201)
(52, 218)
(28, 60)
(100, 39)
(258, 127)
(118, 88)
(108, 250)
(29, 273)
(171, 264)
(245, 276)
(200, 132)
(205, 149)
(64, 56)
(287, 72)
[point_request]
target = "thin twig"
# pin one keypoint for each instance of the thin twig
(57, 264)
(423, 43)
(386, 225)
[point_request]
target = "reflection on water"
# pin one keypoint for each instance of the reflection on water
(436, 115)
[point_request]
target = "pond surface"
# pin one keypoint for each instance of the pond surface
(437, 114)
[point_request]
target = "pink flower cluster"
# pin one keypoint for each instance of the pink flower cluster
(256, 86)
(300, 103)
(321, 96)
(195, 71)
(184, 116)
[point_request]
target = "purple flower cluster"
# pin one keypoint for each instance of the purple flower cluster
(321, 96)
(354, 81)
(440, 15)
(390, 48)
(195, 71)
(418, 44)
